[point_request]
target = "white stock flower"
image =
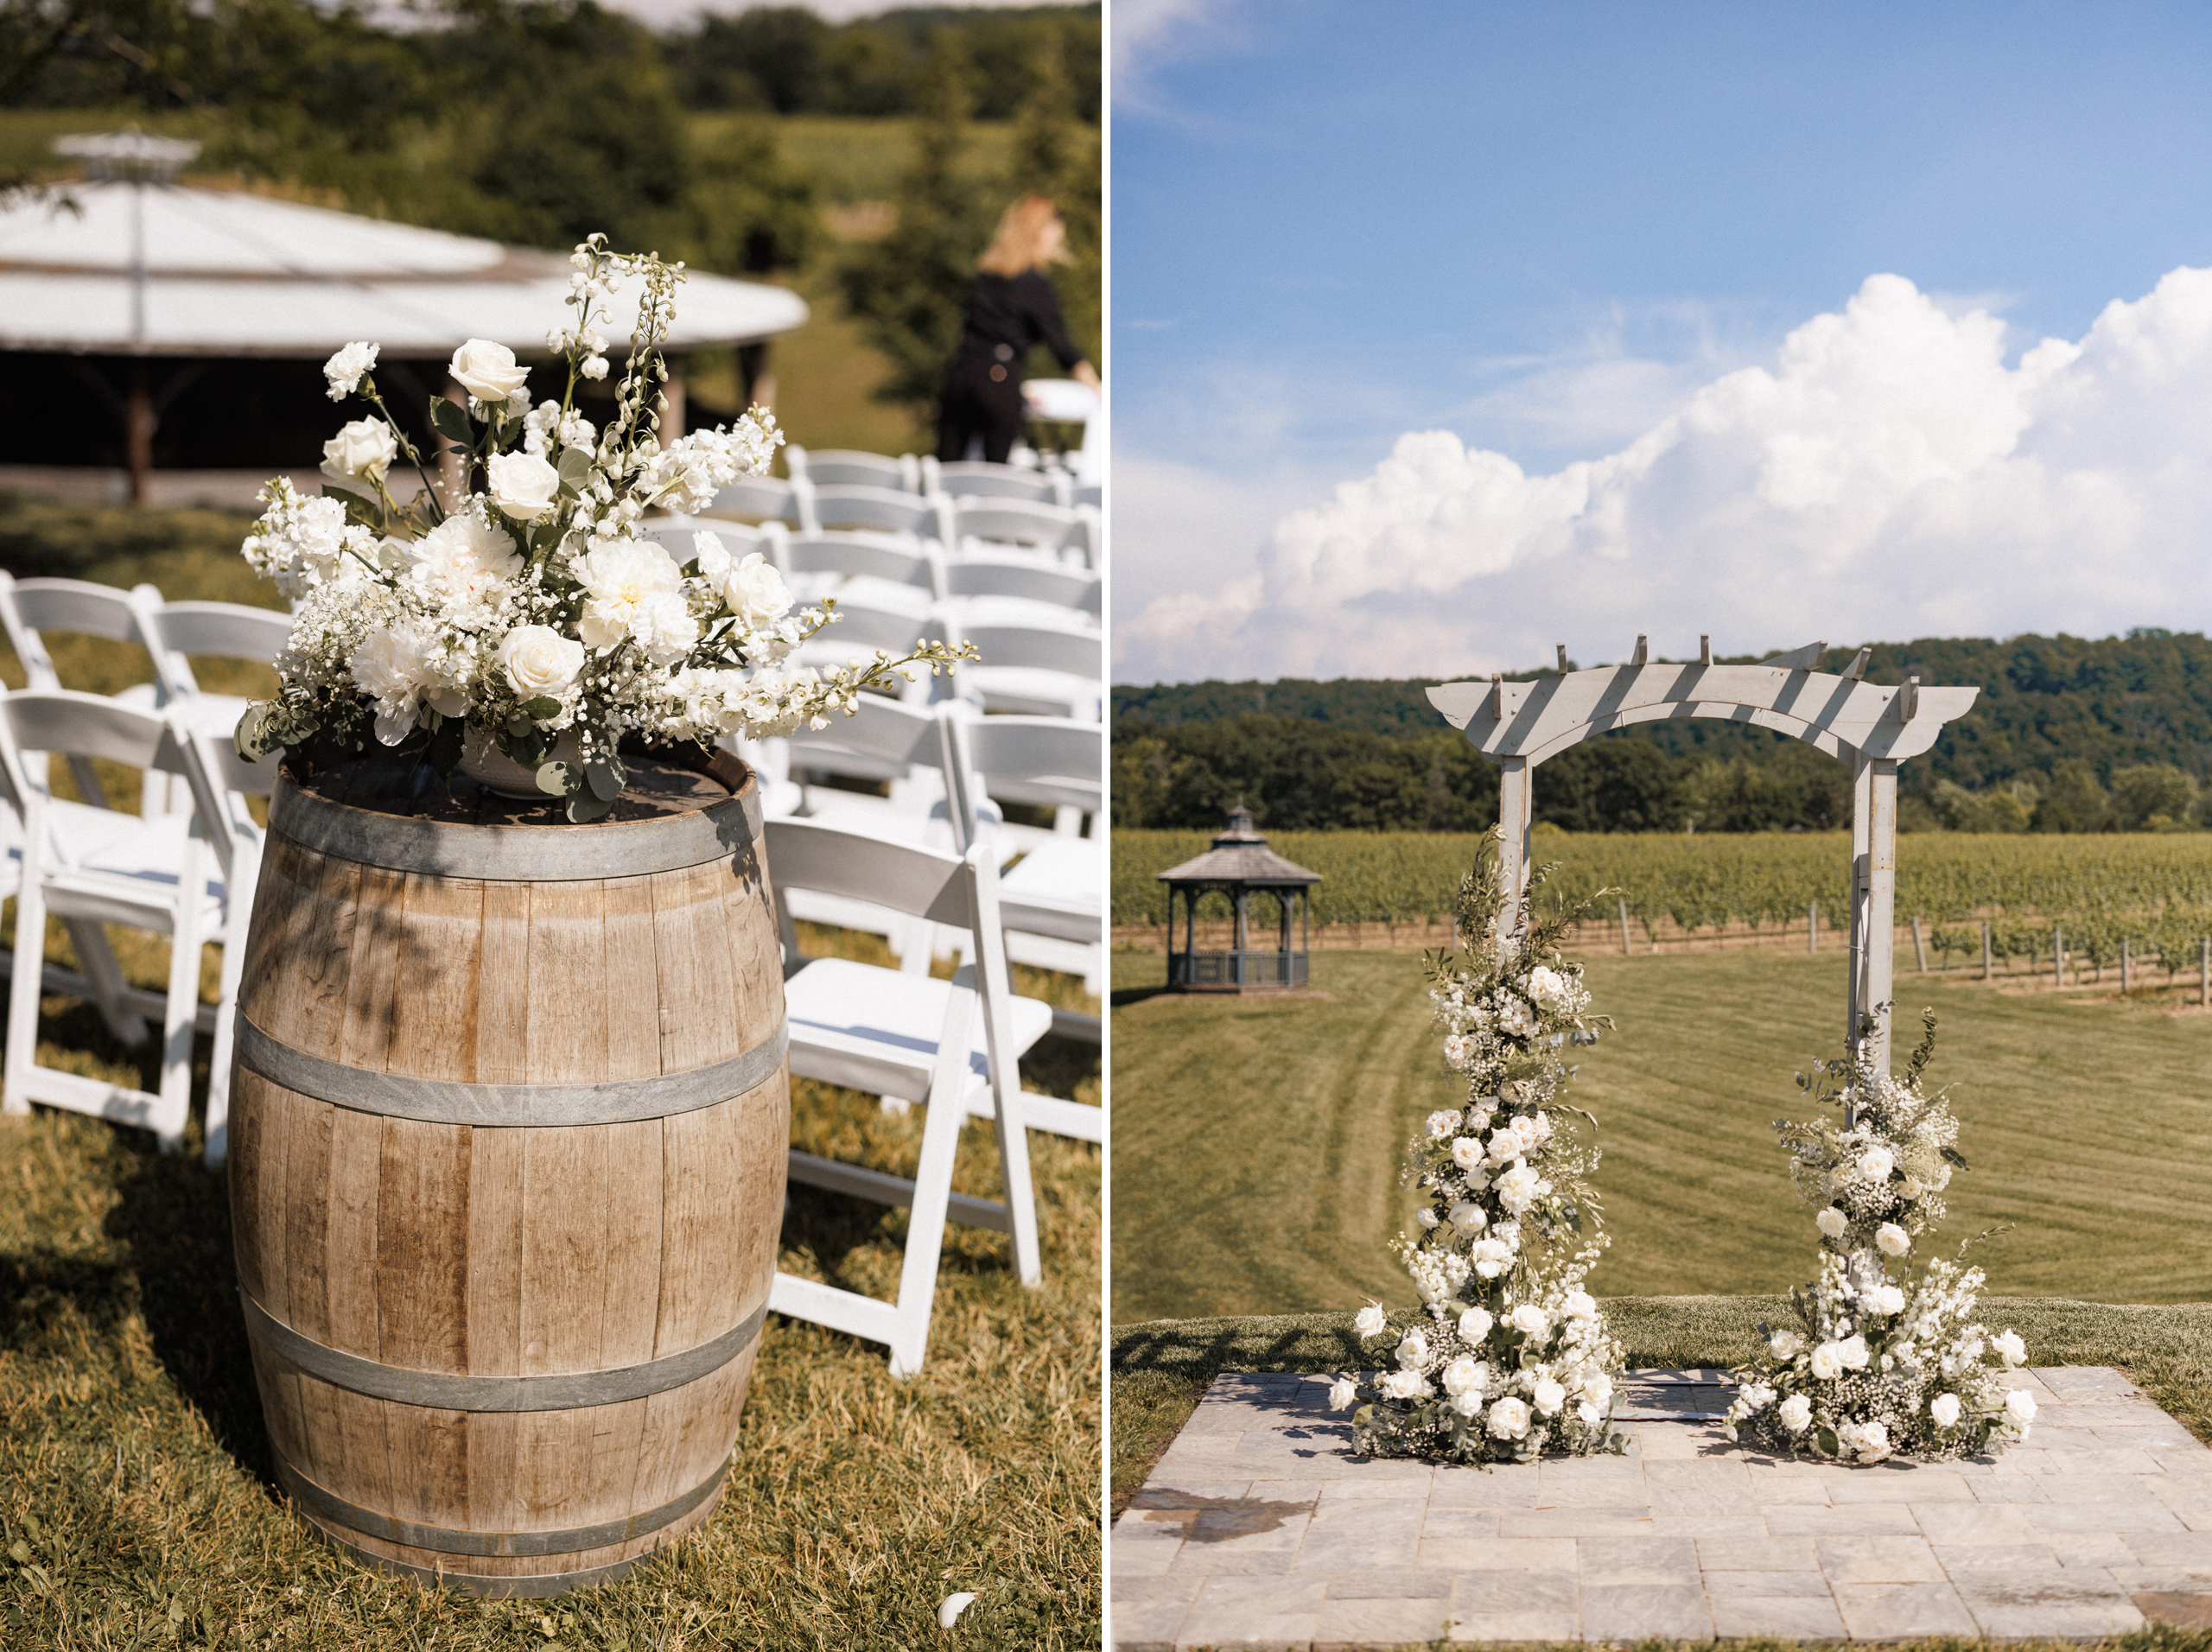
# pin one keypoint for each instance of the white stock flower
(1370, 1320)
(1474, 1325)
(487, 370)
(1828, 1361)
(2019, 1407)
(1886, 1300)
(1944, 1407)
(1796, 1413)
(1578, 1304)
(1342, 1393)
(346, 370)
(619, 576)
(1876, 1164)
(1467, 1216)
(1831, 1221)
(1508, 1418)
(540, 663)
(1529, 1319)
(522, 485)
(1550, 1396)
(1892, 1240)
(2010, 1347)
(362, 450)
(1490, 1257)
(1785, 1344)
(593, 367)
(1442, 1122)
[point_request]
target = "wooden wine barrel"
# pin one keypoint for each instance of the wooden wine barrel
(509, 1118)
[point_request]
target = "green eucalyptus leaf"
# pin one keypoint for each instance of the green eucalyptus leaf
(557, 779)
(575, 465)
(1827, 1441)
(450, 420)
(605, 776)
(584, 807)
(251, 739)
(539, 709)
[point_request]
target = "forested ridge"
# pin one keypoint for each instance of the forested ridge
(2067, 734)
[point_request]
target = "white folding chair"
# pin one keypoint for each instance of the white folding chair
(867, 622)
(1034, 670)
(979, 478)
(916, 1038)
(29, 607)
(910, 517)
(816, 565)
(1052, 530)
(1092, 494)
(757, 499)
(674, 534)
(833, 466)
(1025, 579)
(102, 866)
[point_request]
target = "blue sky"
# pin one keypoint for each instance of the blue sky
(1547, 229)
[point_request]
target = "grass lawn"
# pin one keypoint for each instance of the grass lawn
(1256, 1142)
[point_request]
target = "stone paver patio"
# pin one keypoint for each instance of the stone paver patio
(1260, 1529)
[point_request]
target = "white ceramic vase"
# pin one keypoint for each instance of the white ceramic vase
(492, 769)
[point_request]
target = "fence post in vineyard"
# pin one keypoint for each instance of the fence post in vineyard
(2057, 956)
(2127, 968)
(1624, 926)
(1812, 926)
(1985, 949)
(1919, 945)
(2204, 972)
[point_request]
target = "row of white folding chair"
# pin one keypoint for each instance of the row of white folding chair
(961, 479)
(1043, 529)
(188, 876)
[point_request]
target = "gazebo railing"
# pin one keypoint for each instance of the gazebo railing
(1248, 968)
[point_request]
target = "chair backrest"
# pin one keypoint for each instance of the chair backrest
(879, 508)
(1090, 493)
(965, 479)
(1074, 588)
(833, 466)
(867, 558)
(1077, 651)
(223, 629)
(29, 607)
(891, 732)
(674, 534)
(1054, 762)
(221, 781)
(757, 499)
(861, 627)
(1015, 522)
(905, 878)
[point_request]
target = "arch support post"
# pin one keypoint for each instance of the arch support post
(1513, 815)
(1880, 905)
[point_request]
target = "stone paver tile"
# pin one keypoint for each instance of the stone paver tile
(1253, 1613)
(2145, 1517)
(1898, 1611)
(1359, 1488)
(1722, 1586)
(1460, 1522)
(2188, 1608)
(1788, 1488)
(1785, 1618)
(2055, 1603)
(2116, 1412)
(1556, 1474)
(1622, 1611)
(1377, 1622)
(1607, 1560)
(1297, 1442)
(1166, 1493)
(1817, 1520)
(1351, 1551)
(1671, 1442)
(1705, 1505)
(1206, 1560)
(2166, 1436)
(2009, 1488)
(1704, 1473)
(1881, 1485)
(1741, 1526)
(2165, 1580)
(1457, 1487)
(1150, 1627)
(2018, 1560)
(1368, 1516)
(2056, 1437)
(2031, 1381)
(1577, 1522)
(2090, 1548)
(1859, 1557)
(1535, 1592)
(1395, 1585)
(1479, 1628)
(1973, 1523)
(2180, 1490)
(1497, 1554)
(1154, 1592)
(1146, 1553)
(2198, 1519)
(2100, 1459)
(2083, 1382)
(2023, 1459)
(2192, 1459)
(2192, 1549)
(1757, 1555)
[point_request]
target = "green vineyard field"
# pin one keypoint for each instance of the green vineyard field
(2155, 889)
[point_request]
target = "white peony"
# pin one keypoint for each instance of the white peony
(1550, 1396)
(346, 370)
(1944, 1407)
(1578, 1304)
(1876, 1164)
(1886, 1299)
(1370, 1320)
(1795, 1413)
(755, 592)
(487, 370)
(1342, 1393)
(2010, 1347)
(1828, 1361)
(1519, 1188)
(1442, 1123)
(1508, 1418)
(619, 577)
(1892, 1240)
(1468, 1402)
(1831, 1221)
(540, 663)
(393, 667)
(462, 557)
(361, 451)
(1474, 1325)
(1464, 1373)
(1785, 1344)
(2019, 1407)
(1529, 1319)
(522, 485)
(1490, 1257)
(1468, 1217)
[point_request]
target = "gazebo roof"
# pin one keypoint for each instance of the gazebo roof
(230, 274)
(1239, 855)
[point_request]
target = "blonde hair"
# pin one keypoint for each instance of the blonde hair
(1019, 242)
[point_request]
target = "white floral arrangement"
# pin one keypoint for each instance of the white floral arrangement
(534, 619)
(1880, 1364)
(1510, 1356)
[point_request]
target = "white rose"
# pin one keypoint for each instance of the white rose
(1425, 1216)
(1785, 1344)
(1828, 1360)
(1467, 1153)
(1508, 1418)
(2010, 1347)
(1892, 1240)
(1370, 1320)
(1456, 1048)
(522, 485)
(2019, 1407)
(1873, 1442)
(1529, 1319)
(1796, 1413)
(1413, 1350)
(1546, 984)
(1518, 1189)
(1876, 1164)
(1442, 1123)
(346, 369)
(1945, 1409)
(1468, 1217)
(1831, 1221)
(361, 450)
(1591, 1411)
(1474, 1325)
(1461, 1375)
(1342, 1393)
(1550, 1396)
(1468, 1402)
(487, 370)
(1886, 1299)
(540, 663)
(1853, 1352)
(1490, 1257)
(1514, 1016)
(1597, 1389)
(1405, 1385)
(756, 592)
(1579, 1305)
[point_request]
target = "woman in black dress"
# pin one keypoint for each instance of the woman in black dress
(1011, 306)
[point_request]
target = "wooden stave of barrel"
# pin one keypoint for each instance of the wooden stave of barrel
(510, 1393)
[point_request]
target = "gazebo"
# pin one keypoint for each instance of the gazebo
(134, 302)
(1239, 862)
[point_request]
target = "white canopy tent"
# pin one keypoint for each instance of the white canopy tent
(136, 267)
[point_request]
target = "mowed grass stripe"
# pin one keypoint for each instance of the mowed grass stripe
(1256, 1141)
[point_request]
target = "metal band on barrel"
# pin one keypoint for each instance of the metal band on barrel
(521, 1545)
(535, 1587)
(444, 1101)
(456, 1391)
(623, 848)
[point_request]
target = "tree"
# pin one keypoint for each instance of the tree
(2152, 797)
(2076, 803)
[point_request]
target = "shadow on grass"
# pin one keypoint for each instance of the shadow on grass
(1123, 997)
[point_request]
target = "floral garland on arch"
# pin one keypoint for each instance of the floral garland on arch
(533, 619)
(1510, 1356)
(1880, 1365)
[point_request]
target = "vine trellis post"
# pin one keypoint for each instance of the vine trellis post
(1518, 725)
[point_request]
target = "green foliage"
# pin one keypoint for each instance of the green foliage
(1058, 156)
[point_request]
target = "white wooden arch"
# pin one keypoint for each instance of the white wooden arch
(1518, 725)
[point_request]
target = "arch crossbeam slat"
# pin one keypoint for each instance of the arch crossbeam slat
(1871, 726)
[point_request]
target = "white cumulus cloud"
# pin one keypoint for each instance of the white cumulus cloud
(1889, 475)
